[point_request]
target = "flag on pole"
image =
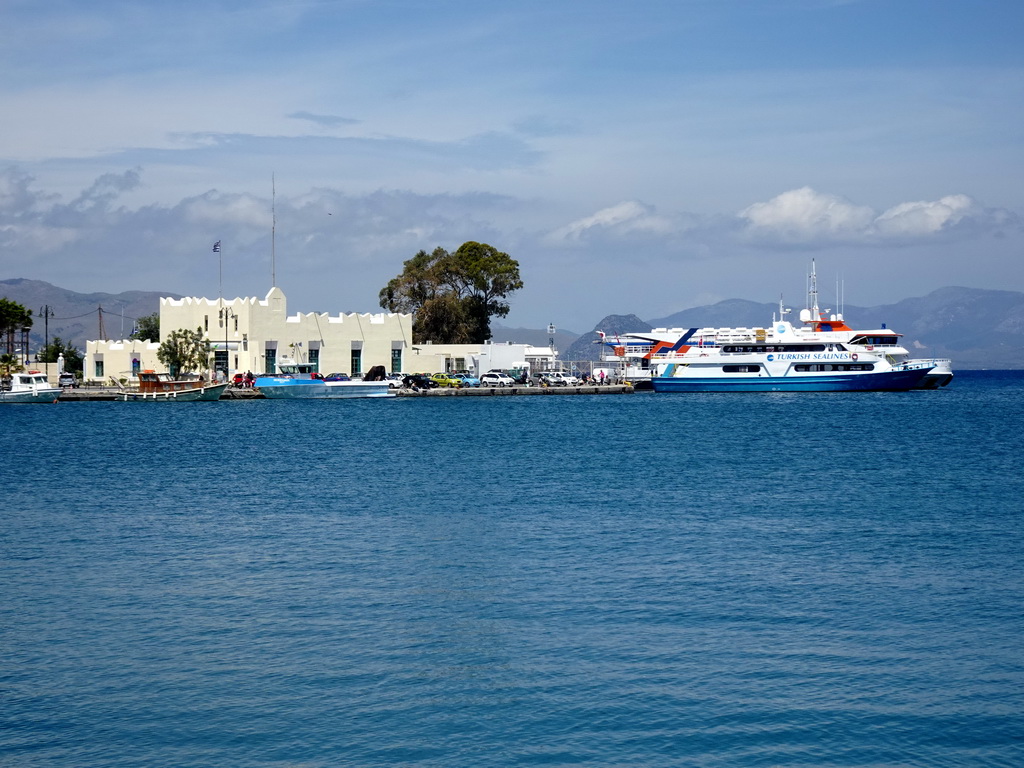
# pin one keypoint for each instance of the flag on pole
(216, 247)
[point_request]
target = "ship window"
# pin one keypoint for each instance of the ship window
(741, 368)
(818, 367)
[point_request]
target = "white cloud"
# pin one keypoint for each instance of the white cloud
(628, 217)
(806, 217)
(802, 215)
(925, 218)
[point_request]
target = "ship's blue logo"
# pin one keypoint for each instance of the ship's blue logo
(770, 358)
(780, 329)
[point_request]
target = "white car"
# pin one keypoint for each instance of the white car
(494, 379)
(560, 379)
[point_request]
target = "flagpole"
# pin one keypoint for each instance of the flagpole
(273, 231)
(220, 310)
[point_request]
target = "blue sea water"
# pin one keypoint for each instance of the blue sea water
(645, 580)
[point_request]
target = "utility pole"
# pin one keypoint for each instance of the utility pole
(46, 313)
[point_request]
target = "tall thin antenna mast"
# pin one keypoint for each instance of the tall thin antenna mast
(273, 231)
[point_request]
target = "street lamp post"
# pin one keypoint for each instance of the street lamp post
(227, 355)
(46, 313)
(551, 344)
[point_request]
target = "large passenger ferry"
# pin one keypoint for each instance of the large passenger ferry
(821, 354)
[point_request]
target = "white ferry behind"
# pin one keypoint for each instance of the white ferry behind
(822, 354)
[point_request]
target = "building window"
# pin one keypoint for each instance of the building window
(135, 367)
(99, 369)
(396, 361)
(206, 322)
(236, 323)
(270, 361)
(314, 359)
(357, 361)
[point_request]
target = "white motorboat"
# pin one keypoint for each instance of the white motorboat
(29, 387)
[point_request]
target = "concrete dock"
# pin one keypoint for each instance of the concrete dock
(99, 394)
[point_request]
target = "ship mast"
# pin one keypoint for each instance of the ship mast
(812, 293)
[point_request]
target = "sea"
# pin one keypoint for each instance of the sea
(762, 579)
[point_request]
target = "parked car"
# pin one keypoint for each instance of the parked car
(337, 377)
(395, 380)
(446, 380)
(494, 379)
(67, 380)
(559, 379)
(418, 381)
(468, 380)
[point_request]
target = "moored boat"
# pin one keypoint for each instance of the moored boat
(821, 354)
(162, 387)
(29, 387)
(298, 381)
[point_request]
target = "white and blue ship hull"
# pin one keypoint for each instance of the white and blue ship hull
(887, 381)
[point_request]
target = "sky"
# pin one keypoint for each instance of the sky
(641, 157)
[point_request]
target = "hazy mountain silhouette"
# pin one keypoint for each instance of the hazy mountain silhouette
(75, 317)
(976, 328)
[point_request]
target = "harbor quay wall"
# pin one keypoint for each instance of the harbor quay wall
(96, 393)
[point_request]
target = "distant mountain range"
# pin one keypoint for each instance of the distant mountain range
(975, 328)
(78, 317)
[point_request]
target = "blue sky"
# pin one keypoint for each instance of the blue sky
(634, 157)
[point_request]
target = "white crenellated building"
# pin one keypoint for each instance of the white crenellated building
(256, 334)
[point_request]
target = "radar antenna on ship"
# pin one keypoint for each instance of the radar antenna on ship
(811, 314)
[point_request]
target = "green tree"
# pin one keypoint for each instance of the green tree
(147, 328)
(73, 359)
(14, 319)
(453, 296)
(184, 351)
(10, 364)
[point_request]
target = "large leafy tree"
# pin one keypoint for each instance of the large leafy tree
(453, 296)
(147, 328)
(14, 319)
(73, 358)
(184, 351)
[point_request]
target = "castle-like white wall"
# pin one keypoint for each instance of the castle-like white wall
(258, 332)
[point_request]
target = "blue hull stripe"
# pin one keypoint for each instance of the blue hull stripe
(861, 382)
